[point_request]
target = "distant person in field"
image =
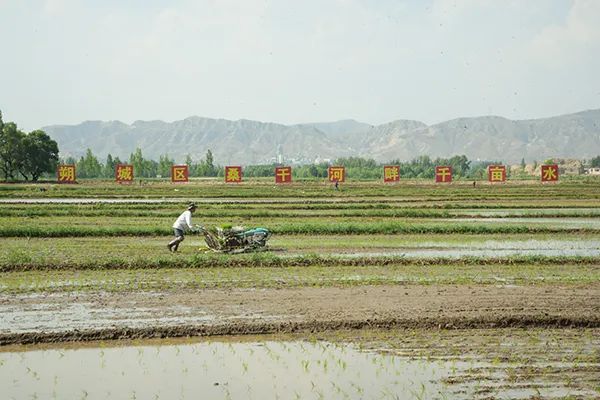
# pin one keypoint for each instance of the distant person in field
(182, 224)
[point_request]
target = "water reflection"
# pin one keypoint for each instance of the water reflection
(258, 370)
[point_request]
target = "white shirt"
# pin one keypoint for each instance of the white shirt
(184, 221)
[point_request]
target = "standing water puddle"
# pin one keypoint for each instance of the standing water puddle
(566, 223)
(258, 370)
(389, 364)
(487, 248)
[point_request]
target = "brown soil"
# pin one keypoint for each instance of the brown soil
(252, 311)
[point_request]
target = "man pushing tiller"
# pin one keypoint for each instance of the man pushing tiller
(182, 224)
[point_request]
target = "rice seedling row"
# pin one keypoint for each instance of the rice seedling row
(322, 272)
(372, 363)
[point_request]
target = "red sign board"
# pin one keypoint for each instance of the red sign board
(124, 173)
(443, 174)
(550, 173)
(283, 174)
(66, 173)
(179, 173)
(336, 174)
(497, 173)
(391, 173)
(233, 174)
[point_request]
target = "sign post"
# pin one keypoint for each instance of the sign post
(391, 173)
(124, 173)
(283, 174)
(496, 173)
(179, 173)
(66, 173)
(233, 174)
(443, 174)
(550, 173)
(336, 174)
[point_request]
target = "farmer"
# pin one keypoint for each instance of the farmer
(183, 223)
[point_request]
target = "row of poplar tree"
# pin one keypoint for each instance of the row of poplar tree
(25, 156)
(89, 166)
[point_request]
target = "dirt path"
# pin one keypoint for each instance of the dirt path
(90, 316)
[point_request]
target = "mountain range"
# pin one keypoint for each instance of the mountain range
(246, 142)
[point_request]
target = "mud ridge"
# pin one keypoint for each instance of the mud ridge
(254, 328)
(209, 261)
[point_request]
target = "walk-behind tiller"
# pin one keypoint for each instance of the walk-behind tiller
(236, 239)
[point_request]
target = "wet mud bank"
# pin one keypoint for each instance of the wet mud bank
(258, 328)
(87, 316)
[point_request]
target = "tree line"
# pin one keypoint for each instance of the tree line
(25, 156)
(369, 169)
(89, 166)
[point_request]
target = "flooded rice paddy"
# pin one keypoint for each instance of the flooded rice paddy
(547, 222)
(370, 364)
(471, 248)
(449, 331)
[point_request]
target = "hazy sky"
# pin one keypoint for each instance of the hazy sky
(65, 61)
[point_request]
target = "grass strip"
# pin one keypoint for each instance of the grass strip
(266, 189)
(343, 228)
(291, 213)
(127, 280)
(269, 260)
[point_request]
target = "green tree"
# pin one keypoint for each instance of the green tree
(40, 154)
(137, 160)
(255, 171)
(164, 165)
(595, 162)
(108, 170)
(208, 166)
(192, 166)
(11, 150)
(205, 167)
(88, 166)
(460, 165)
(210, 163)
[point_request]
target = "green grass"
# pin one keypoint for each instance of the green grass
(82, 250)
(344, 228)
(316, 273)
(566, 189)
(289, 211)
(20, 259)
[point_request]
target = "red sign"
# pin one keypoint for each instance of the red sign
(124, 173)
(391, 173)
(443, 174)
(233, 174)
(66, 173)
(550, 173)
(179, 173)
(283, 174)
(497, 173)
(336, 174)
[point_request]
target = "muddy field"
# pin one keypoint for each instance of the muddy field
(93, 316)
(429, 292)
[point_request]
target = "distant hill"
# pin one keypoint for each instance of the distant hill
(249, 142)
